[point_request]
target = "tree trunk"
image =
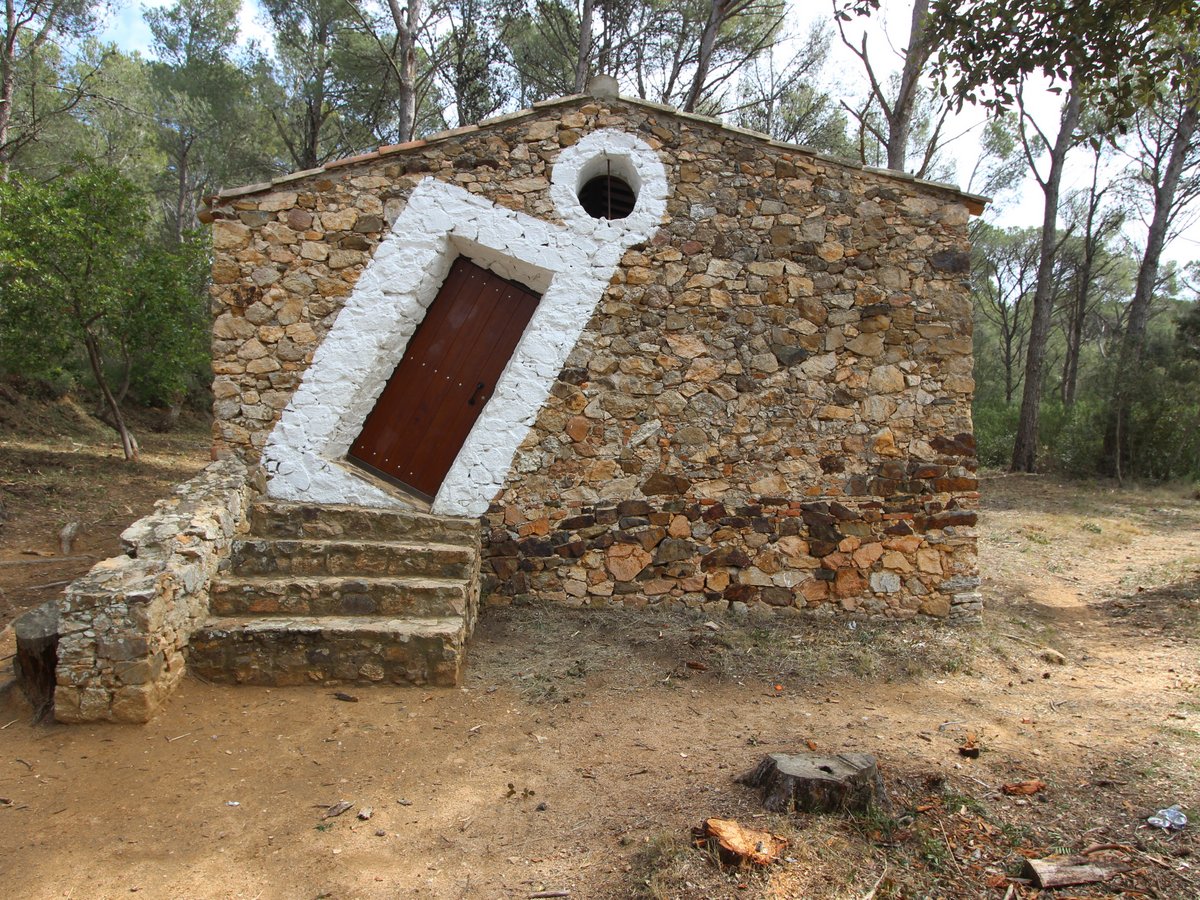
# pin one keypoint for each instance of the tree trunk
(181, 193)
(717, 14)
(1116, 435)
(583, 60)
(314, 111)
(1009, 363)
(1024, 458)
(406, 20)
(1075, 325)
(8, 88)
(128, 444)
(36, 659)
(900, 122)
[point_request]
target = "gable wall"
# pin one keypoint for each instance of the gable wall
(770, 406)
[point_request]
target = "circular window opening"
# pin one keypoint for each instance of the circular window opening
(607, 197)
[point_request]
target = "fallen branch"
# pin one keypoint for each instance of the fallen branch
(48, 584)
(45, 560)
(870, 895)
(1158, 861)
(950, 850)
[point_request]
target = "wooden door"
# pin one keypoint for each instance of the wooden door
(448, 372)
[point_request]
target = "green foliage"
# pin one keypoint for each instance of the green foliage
(328, 89)
(1001, 166)
(542, 41)
(202, 106)
(1163, 421)
(1073, 435)
(651, 46)
(1120, 57)
(166, 324)
(1121, 54)
(469, 59)
(1003, 274)
(1163, 427)
(1188, 333)
(786, 103)
(1164, 414)
(995, 431)
(64, 260)
(36, 88)
(86, 284)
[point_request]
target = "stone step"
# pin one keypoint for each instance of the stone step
(328, 650)
(306, 521)
(258, 556)
(340, 595)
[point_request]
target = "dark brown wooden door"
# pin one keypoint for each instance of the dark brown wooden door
(448, 372)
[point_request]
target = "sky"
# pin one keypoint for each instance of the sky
(886, 30)
(126, 26)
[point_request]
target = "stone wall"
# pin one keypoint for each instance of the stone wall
(570, 266)
(769, 406)
(124, 625)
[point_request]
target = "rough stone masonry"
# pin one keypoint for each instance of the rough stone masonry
(123, 627)
(768, 408)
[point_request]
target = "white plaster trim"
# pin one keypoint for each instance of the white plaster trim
(571, 264)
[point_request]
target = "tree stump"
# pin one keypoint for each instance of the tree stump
(813, 782)
(37, 655)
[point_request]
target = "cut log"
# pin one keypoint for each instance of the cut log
(814, 782)
(1068, 870)
(735, 844)
(37, 655)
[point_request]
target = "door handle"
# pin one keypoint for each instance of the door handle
(475, 394)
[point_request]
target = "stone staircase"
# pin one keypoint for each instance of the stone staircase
(330, 594)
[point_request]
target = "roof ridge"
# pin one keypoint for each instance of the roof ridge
(975, 202)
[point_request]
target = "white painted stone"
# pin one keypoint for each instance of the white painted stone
(571, 265)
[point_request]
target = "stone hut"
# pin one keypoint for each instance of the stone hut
(598, 352)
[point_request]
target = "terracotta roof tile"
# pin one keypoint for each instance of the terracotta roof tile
(294, 176)
(407, 145)
(351, 160)
(453, 132)
(247, 189)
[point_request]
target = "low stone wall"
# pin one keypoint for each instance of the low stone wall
(123, 626)
(865, 553)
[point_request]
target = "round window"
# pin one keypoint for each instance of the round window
(607, 197)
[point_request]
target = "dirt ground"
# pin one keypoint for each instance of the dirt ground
(585, 745)
(59, 467)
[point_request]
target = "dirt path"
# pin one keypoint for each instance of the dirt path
(585, 746)
(59, 468)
